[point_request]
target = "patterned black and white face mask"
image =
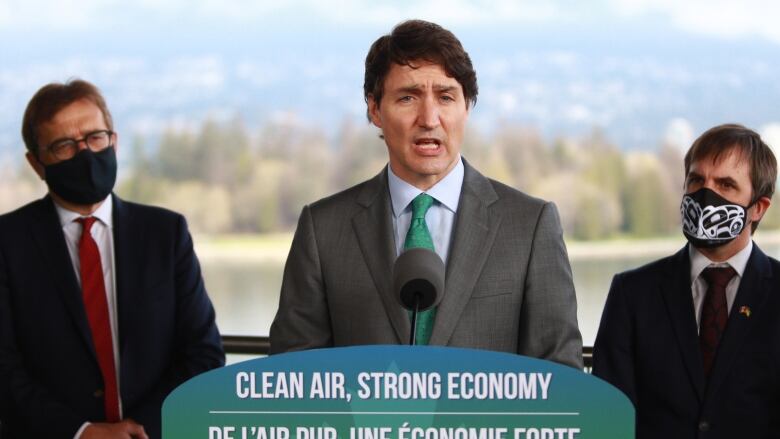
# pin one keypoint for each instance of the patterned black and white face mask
(709, 220)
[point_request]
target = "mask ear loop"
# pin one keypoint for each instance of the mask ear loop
(749, 222)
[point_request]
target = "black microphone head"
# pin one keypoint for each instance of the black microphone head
(419, 273)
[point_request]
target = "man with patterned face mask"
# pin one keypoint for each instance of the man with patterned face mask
(694, 339)
(103, 310)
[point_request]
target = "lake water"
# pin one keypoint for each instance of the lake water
(246, 293)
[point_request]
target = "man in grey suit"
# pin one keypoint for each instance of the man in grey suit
(508, 281)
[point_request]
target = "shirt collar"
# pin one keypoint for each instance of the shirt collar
(738, 262)
(446, 191)
(103, 213)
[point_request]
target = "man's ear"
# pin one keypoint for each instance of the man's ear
(759, 208)
(36, 165)
(373, 111)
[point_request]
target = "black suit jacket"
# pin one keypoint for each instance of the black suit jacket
(647, 346)
(50, 382)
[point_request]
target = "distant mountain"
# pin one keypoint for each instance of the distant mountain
(635, 86)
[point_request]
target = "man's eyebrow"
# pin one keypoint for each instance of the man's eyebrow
(412, 88)
(445, 88)
(726, 179)
(692, 174)
(719, 180)
(416, 88)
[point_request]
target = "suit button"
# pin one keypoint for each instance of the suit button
(98, 393)
(704, 426)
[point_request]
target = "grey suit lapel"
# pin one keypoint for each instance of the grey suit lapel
(374, 229)
(473, 235)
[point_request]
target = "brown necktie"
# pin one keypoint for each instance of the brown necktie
(714, 313)
(93, 289)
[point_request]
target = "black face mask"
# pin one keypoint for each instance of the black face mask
(87, 178)
(709, 220)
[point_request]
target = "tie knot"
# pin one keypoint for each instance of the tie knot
(86, 222)
(718, 276)
(420, 205)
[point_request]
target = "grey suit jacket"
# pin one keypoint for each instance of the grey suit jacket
(508, 281)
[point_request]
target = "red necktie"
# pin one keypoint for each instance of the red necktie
(94, 293)
(714, 313)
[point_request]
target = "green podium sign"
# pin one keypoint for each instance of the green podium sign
(397, 392)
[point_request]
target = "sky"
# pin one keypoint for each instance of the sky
(646, 72)
(723, 19)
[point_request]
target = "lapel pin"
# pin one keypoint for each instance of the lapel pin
(745, 311)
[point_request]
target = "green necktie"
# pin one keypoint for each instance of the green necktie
(418, 236)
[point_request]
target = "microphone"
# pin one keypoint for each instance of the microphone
(418, 279)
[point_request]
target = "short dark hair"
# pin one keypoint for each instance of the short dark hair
(722, 139)
(52, 98)
(416, 40)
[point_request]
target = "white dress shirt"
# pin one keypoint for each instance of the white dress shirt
(440, 217)
(102, 233)
(699, 286)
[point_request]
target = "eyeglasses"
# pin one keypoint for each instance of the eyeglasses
(67, 148)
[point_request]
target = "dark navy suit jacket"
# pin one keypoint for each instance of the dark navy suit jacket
(648, 347)
(50, 382)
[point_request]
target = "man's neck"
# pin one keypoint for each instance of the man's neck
(81, 209)
(423, 182)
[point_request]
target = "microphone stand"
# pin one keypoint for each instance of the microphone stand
(413, 338)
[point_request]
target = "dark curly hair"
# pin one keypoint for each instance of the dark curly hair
(418, 40)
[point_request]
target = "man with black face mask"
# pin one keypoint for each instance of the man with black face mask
(103, 310)
(694, 339)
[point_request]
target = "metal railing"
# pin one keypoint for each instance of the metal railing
(257, 345)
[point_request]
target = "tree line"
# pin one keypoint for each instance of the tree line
(226, 178)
